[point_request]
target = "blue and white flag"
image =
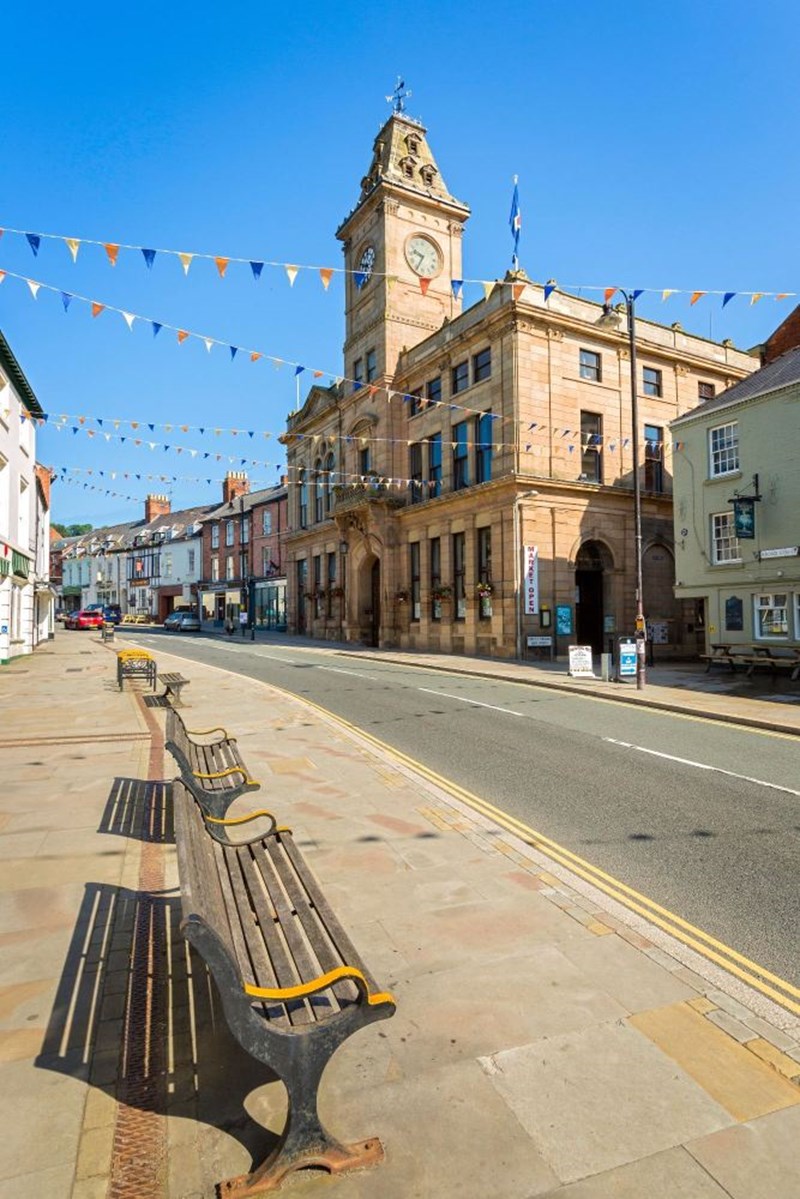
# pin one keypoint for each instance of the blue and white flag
(515, 224)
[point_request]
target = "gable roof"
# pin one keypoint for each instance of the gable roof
(783, 372)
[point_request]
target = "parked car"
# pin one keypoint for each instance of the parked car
(182, 622)
(86, 618)
(112, 613)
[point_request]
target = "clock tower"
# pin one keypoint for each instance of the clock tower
(402, 249)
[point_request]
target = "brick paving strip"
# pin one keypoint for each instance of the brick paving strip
(139, 1149)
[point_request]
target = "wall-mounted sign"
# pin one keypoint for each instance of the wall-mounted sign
(563, 620)
(744, 518)
(787, 551)
(531, 580)
(535, 642)
(734, 614)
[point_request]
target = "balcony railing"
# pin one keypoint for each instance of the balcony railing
(371, 491)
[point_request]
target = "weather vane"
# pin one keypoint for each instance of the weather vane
(399, 96)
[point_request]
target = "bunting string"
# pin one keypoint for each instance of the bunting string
(325, 273)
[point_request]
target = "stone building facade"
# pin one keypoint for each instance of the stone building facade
(467, 485)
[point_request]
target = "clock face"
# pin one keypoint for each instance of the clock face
(423, 256)
(367, 262)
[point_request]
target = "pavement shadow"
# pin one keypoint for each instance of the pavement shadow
(137, 1015)
(139, 809)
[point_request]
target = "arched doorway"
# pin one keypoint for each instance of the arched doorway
(369, 600)
(592, 561)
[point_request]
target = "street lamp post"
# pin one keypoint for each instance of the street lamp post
(607, 318)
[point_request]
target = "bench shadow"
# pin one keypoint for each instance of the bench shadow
(137, 1015)
(139, 809)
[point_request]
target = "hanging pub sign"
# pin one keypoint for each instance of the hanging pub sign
(744, 518)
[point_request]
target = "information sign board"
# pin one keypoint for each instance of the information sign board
(627, 658)
(580, 662)
(535, 642)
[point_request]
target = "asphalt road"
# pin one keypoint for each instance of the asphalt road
(704, 818)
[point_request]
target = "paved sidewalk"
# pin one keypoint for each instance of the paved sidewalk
(544, 1044)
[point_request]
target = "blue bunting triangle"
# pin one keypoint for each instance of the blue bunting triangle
(149, 257)
(234, 351)
(549, 288)
(66, 299)
(256, 268)
(156, 328)
(34, 241)
(728, 297)
(457, 286)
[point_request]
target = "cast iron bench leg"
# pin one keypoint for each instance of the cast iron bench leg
(304, 1142)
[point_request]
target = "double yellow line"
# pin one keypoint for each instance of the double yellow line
(777, 989)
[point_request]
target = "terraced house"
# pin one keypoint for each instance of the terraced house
(467, 485)
(26, 599)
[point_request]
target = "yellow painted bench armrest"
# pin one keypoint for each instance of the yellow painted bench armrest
(208, 732)
(223, 774)
(233, 820)
(303, 990)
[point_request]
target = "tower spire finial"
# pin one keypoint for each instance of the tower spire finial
(399, 96)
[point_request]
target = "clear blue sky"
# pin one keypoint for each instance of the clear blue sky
(655, 145)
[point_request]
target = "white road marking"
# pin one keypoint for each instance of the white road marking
(354, 673)
(746, 778)
(465, 700)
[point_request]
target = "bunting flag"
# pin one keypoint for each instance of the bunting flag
(488, 288)
(66, 299)
(182, 335)
(424, 284)
(97, 308)
(34, 287)
(608, 293)
(156, 328)
(517, 290)
(128, 318)
(113, 248)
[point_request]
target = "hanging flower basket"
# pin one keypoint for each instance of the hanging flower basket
(441, 593)
(402, 597)
(310, 595)
(337, 592)
(485, 590)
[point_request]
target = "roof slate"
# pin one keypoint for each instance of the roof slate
(783, 372)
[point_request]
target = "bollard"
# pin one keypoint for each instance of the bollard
(606, 661)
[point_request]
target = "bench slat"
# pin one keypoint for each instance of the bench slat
(282, 972)
(314, 929)
(292, 908)
(344, 946)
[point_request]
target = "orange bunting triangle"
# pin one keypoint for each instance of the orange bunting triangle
(182, 335)
(424, 284)
(2, 276)
(696, 295)
(74, 245)
(97, 308)
(112, 252)
(254, 357)
(326, 274)
(608, 293)
(317, 374)
(222, 266)
(186, 259)
(517, 290)
(782, 295)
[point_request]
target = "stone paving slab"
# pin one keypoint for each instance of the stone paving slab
(528, 1054)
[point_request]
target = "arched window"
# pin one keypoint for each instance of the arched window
(302, 487)
(330, 463)
(318, 491)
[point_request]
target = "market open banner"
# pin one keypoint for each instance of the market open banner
(531, 580)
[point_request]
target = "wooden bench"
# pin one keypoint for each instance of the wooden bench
(774, 659)
(136, 664)
(720, 654)
(173, 685)
(293, 987)
(210, 764)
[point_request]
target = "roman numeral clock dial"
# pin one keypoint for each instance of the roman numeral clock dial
(423, 256)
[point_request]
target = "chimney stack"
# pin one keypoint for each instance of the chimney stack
(156, 505)
(234, 484)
